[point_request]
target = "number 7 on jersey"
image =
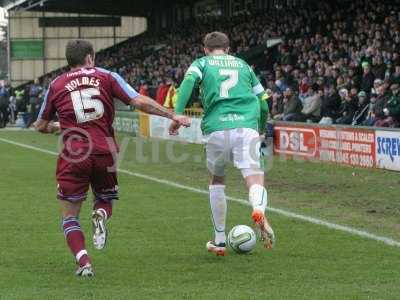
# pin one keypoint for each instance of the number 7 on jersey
(230, 82)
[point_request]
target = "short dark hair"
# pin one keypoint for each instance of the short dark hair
(216, 40)
(76, 52)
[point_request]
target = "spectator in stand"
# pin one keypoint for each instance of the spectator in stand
(144, 88)
(380, 103)
(26, 97)
(277, 105)
(395, 78)
(311, 111)
(392, 108)
(35, 94)
(286, 56)
(20, 100)
(341, 84)
(368, 78)
(354, 78)
(281, 85)
(377, 83)
(378, 67)
(171, 95)
(291, 104)
(12, 107)
(330, 105)
(370, 120)
(303, 88)
(162, 91)
(363, 107)
(348, 107)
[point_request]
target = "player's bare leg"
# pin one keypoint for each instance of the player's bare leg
(75, 237)
(102, 211)
(218, 215)
(258, 200)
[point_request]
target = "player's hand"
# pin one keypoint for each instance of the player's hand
(173, 128)
(182, 120)
(54, 127)
(177, 122)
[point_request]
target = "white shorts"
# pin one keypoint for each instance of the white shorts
(240, 146)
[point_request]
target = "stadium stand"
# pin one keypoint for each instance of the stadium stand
(337, 64)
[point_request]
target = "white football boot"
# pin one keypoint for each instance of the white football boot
(85, 271)
(99, 229)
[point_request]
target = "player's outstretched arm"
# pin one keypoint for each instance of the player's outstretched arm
(44, 126)
(150, 106)
(185, 92)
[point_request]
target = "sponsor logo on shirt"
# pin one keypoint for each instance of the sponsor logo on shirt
(80, 72)
(231, 118)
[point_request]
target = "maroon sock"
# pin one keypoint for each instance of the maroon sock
(105, 205)
(75, 240)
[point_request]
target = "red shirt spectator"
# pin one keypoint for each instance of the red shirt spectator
(144, 89)
(162, 93)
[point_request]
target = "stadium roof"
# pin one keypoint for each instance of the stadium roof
(109, 7)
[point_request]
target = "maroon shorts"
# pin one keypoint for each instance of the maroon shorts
(75, 175)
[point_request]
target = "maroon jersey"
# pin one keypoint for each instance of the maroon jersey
(84, 102)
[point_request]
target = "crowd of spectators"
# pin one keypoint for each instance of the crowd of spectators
(337, 63)
(343, 69)
(26, 101)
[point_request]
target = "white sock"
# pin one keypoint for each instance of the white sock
(79, 255)
(103, 211)
(218, 211)
(258, 197)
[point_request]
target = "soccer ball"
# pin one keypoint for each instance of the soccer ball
(242, 239)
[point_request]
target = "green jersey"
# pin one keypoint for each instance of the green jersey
(228, 91)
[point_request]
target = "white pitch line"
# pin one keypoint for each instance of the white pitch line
(353, 231)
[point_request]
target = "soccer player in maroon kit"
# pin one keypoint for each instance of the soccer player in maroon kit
(83, 99)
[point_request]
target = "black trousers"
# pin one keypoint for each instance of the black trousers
(33, 114)
(3, 116)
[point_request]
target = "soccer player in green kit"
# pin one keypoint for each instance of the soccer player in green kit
(235, 111)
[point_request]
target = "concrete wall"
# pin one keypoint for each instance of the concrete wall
(25, 25)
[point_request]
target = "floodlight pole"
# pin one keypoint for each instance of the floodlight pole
(8, 47)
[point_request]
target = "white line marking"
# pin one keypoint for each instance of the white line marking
(353, 231)
(28, 147)
(17, 129)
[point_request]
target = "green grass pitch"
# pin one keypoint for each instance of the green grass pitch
(156, 248)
